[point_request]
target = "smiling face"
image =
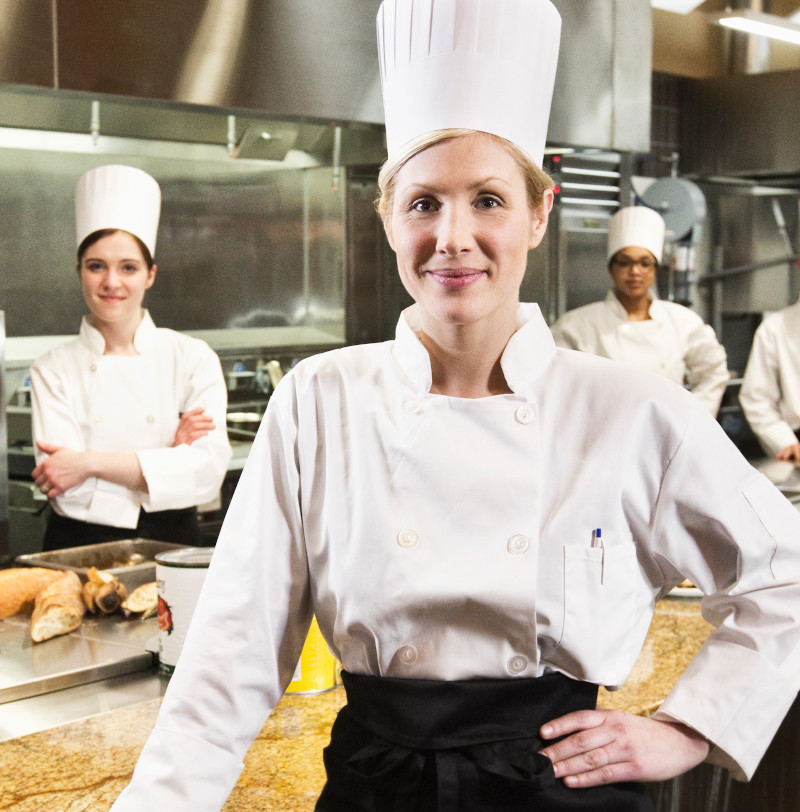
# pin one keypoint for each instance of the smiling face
(114, 275)
(461, 226)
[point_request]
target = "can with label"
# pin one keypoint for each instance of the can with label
(179, 576)
(316, 670)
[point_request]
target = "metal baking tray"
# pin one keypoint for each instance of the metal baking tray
(131, 560)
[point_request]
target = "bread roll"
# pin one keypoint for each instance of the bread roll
(58, 609)
(19, 587)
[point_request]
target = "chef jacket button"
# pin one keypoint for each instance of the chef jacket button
(93, 368)
(97, 420)
(525, 415)
(151, 419)
(407, 538)
(518, 544)
(411, 406)
(407, 655)
(517, 664)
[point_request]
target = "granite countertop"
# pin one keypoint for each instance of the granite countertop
(85, 765)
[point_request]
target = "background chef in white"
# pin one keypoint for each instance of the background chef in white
(128, 419)
(770, 391)
(631, 324)
(435, 500)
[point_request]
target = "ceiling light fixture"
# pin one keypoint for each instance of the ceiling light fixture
(676, 6)
(756, 22)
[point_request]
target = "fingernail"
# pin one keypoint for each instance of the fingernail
(546, 730)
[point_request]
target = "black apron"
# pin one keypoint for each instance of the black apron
(405, 745)
(178, 526)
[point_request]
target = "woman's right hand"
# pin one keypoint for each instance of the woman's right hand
(193, 425)
(790, 454)
(61, 470)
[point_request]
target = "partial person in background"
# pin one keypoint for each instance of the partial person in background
(631, 324)
(770, 392)
(128, 419)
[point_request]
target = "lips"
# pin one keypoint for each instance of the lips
(456, 278)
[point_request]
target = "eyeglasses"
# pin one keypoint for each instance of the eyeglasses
(625, 263)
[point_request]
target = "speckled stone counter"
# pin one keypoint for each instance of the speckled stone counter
(82, 767)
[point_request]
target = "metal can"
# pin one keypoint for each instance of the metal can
(316, 670)
(179, 576)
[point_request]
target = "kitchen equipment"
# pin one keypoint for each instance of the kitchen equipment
(316, 670)
(133, 561)
(179, 576)
(102, 647)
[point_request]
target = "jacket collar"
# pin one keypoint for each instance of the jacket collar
(143, 338)
(526, 356)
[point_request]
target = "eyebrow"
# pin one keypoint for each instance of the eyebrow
(430, 187)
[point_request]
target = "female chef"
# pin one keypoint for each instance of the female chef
(631, 325)
(129, 419)
(482, 523)
(770, 393)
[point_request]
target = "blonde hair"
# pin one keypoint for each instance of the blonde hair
(537, 181)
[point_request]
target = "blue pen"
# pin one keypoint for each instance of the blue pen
(597, 541)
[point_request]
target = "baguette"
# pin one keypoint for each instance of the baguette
(19, 586)
(58, 609)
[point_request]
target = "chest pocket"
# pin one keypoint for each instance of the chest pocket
(602, 606)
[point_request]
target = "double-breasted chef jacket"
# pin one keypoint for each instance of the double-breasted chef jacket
(447, 538)
(770, 392)
(674, 342)
(83, 400)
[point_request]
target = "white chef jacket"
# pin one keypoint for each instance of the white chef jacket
(674, 342)
(83, 400)
(448, 538)
(770, 392)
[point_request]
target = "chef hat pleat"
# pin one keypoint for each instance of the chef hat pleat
(486, 65)
(636, 226)
(120, 197)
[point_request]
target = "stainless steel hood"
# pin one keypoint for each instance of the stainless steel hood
(744, 125)
(309, 61)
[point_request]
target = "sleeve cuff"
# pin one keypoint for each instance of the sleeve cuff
(181, 773)
(740, 719)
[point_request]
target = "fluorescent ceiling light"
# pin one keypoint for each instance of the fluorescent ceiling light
(676, 6)
(756, 22)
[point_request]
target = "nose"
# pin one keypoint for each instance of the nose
(455, 233)
(111, 278)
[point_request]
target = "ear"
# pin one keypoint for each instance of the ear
(151, 277)
(539, 223)
(387, 229)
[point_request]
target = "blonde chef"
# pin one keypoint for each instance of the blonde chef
(632, 325)
(481, 522)
(128, 419)
(770, 393)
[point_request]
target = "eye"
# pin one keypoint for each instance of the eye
(423, 204)
(488, 202)
(130, 267)
(93, 265)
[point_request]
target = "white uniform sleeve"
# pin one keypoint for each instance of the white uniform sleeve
(706, 366)
(563, 335)
(245, 638)
(737, 539)
(54, 421)
(760, 394)
(189, 475)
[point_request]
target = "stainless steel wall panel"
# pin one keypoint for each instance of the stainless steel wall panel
(26, 42)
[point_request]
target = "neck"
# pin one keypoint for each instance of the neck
(637, 307)
(465, 359)
(118, 335)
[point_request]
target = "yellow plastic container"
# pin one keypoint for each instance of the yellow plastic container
(317, 669)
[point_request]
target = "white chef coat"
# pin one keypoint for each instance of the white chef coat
(674, 342)
(770, 392)
(83, 400)
(448, 538)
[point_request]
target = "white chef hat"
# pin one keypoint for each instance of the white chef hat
(116, 196)
(486, 65)
(637, 226)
